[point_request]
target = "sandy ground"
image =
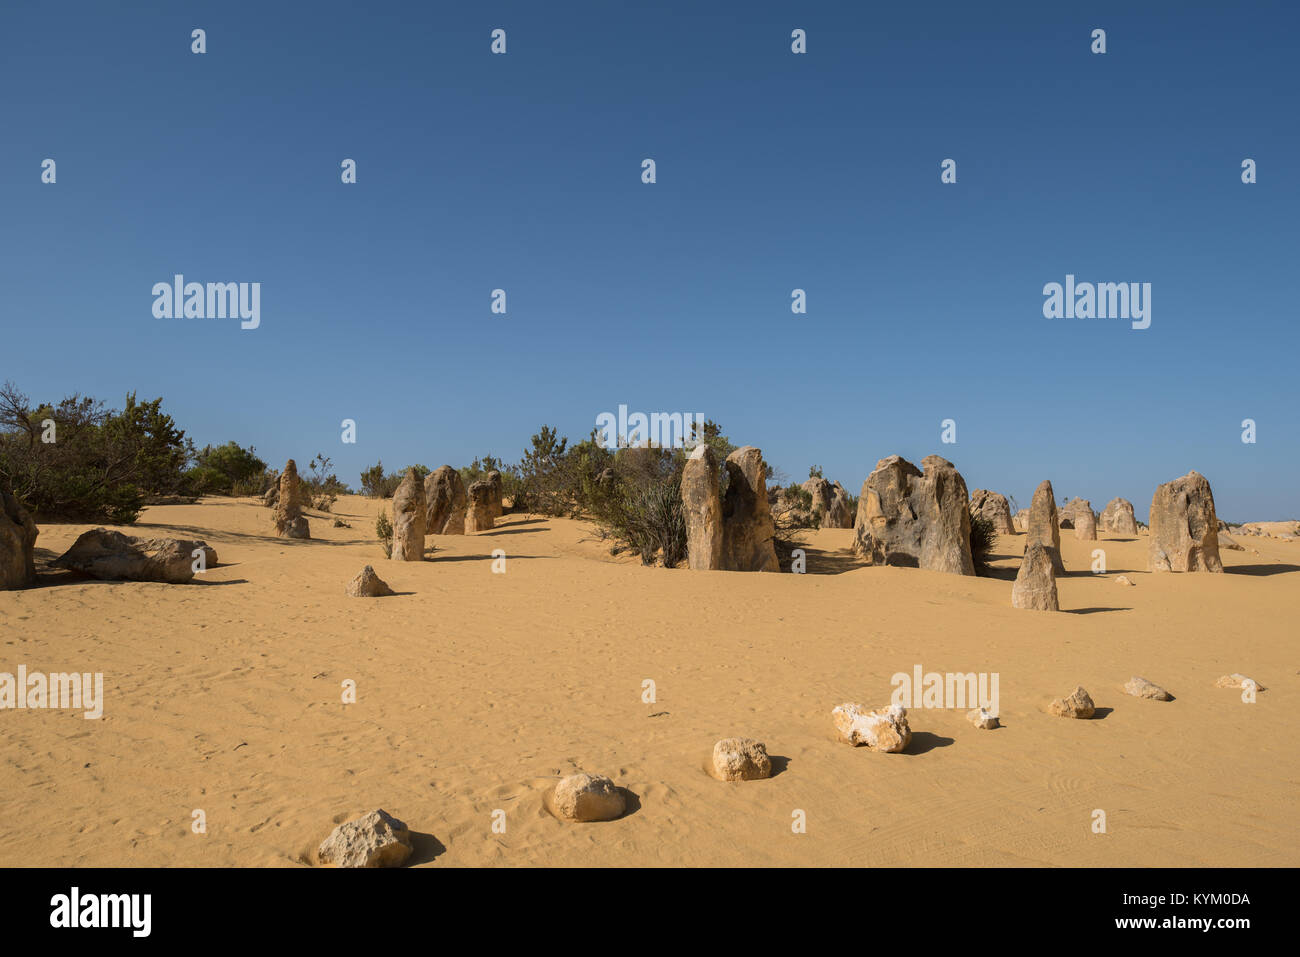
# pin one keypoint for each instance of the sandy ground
(476, 690)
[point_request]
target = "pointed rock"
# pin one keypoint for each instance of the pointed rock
(1044, 526)
(368, 585)
(702, 505)
(409, 516)
(1035, 586)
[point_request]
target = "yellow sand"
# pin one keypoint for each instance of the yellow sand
(476, 690)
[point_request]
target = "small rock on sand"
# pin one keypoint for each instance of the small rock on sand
(1123, 580)
(1078, 704)
(982, 719)
(588, 797)
(884, 729)
(1235, 680)
(1141, 688)
(368, 585)
(741, 759)
(375, 840)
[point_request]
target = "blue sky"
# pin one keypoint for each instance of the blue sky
(775, 171)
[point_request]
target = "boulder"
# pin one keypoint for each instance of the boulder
(1043, 526)
(1035, 586)
(368, 585)
(1077, 704)
(1085, 525)
(1226, 541)
(409, 516)
(741, 759)
(445, 501)
(995, 508)
(588, 797)
(18, 533)
(982, 719)
(1184, 528)
(479, 516)
(272, 494)
(375, 840)
(747, 528)
(913, 517)
(290, 522)
(884, 729)
(1117, 517)
(1141, 688)
(839, 515)
(702, 505)
(112, 556)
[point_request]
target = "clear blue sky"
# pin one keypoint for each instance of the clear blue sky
(775, 171)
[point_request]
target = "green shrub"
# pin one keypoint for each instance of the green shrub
(78, 460)
(982, 540)
(649, 520)
(384, 529)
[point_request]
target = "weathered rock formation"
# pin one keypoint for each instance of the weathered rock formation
(479, 515)
(445, 502)
(1068, 510)
(884, 729)
(17, 540)
(1021, 520)
(915, 518)
(821, 493)
(1085, 525)
(376, 840)
(702, 504)
(493, 478)
(747, 528)
(1035, 586)
(741, 759)
(112, 556)
(409, 516)
(995, 508)
(588, 797)
(982, 719)
(839, 515)
(289, 519)
(1043, 525)
(1184, 528)
(1117, 517)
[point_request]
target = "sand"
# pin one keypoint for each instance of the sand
(476, 691)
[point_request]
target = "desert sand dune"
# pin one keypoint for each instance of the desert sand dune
(476, 691)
